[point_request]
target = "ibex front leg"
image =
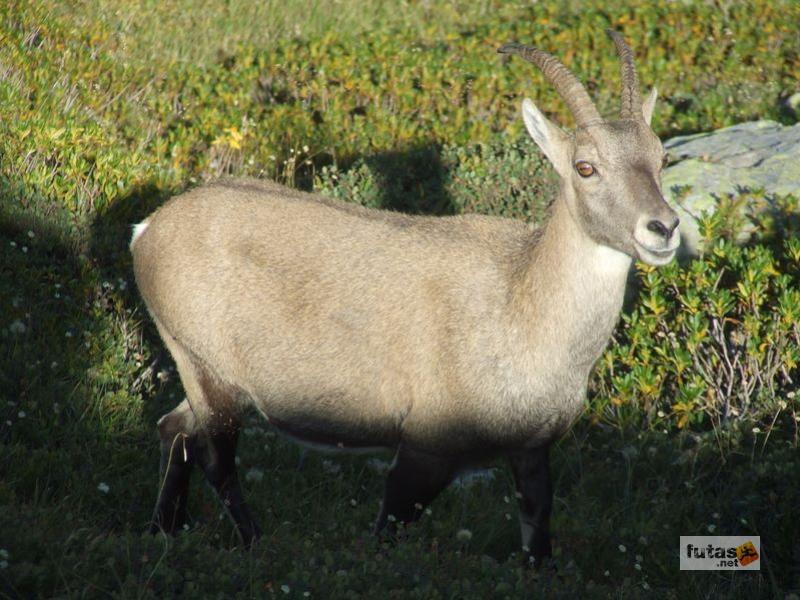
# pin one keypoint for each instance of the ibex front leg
(535, 492)
(414, 480)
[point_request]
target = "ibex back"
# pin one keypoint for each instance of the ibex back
(450, 340)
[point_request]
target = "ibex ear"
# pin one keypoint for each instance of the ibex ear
(649, 104)
(553, 142)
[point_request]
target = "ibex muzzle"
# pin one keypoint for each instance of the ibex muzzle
(449, 340)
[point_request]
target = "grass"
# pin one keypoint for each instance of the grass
(107, 108)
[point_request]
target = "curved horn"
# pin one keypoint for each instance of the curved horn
(631, 98)
(567, 85)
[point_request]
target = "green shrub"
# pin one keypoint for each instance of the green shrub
(85, 121)
(715, 340)
(505, 178)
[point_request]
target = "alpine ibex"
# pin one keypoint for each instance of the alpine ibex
(447, 339)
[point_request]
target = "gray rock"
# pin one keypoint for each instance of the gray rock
(760, 155)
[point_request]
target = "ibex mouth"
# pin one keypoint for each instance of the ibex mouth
(654, 256)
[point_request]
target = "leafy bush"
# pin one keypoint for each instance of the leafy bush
(84, 122)
(714, 340)
(502, 178)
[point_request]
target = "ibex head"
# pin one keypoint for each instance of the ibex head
(610, 170)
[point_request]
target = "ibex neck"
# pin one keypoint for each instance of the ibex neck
(571, 289)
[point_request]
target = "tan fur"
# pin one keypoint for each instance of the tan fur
(380, 326)
(457, 336)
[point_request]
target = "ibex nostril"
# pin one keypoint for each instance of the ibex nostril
(675, 224)
(659, 228)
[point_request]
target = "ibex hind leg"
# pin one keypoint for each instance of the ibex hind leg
(216, 455)
(202, 430)
(177, 432)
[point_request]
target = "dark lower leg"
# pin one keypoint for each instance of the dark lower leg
(413, 482)
(531, 469)
(216, 455)
(176, 468)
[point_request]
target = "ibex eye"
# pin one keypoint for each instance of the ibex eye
(585, 169)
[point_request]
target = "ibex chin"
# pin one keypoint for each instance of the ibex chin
(450, 340)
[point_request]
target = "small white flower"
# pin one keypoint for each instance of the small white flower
(711, 528)
(306, 594)
(305, 148)
(103, 487)
(353, 502)
(506, 499)
(637, 566)
(715, 515)
(464, 535)
(331, 467)
(622, 548)
(285, 589)
(13, 244)
(17, 327)
(22, 414)
(756, 430)
(31, 234)
(254, 475)
(508, 517)
(24, 249)
(4, 554)
(607, 574)
(645, 586)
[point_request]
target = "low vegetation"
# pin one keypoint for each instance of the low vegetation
(106, 109)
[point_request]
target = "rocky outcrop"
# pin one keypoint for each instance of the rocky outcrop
(760, 155)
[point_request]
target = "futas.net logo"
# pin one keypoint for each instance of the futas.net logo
(720, 553)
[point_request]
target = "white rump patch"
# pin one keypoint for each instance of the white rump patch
(138, 230)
